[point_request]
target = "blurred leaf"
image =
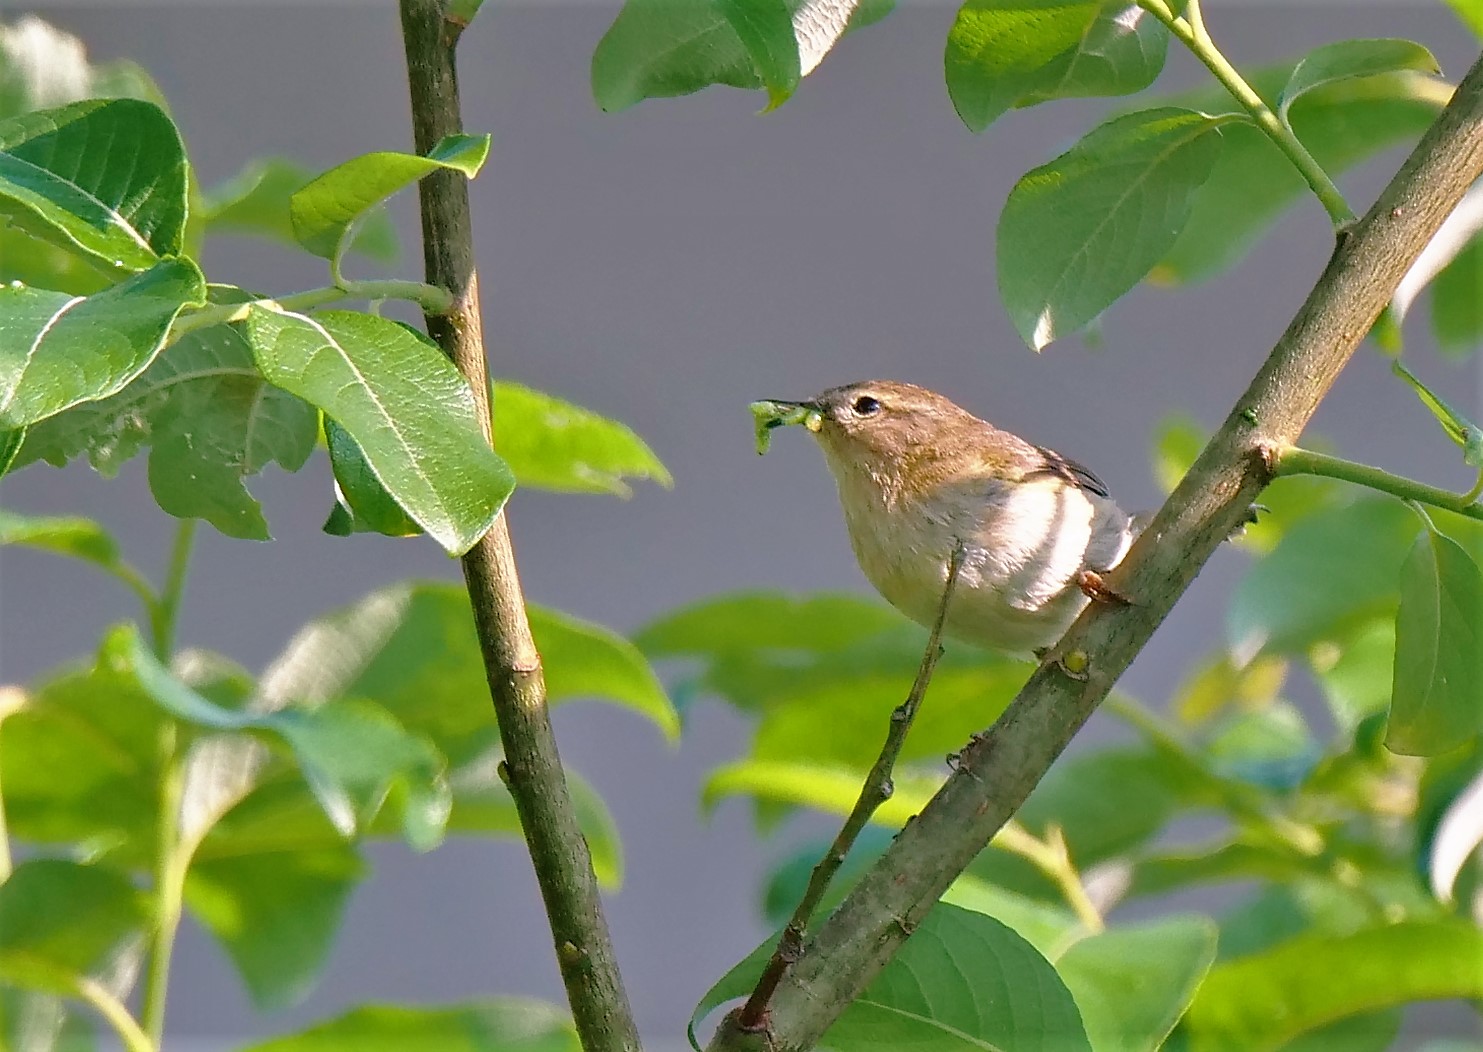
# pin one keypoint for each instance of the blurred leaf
(1272, 748)
(210, 420)
(962, 981)
(42, 66)
(1458, 427)
(1437, 692)
(746, 621)
(1006, 53)
(786, 883)
(661, 48)
(255, 201)
(1252, 182)
(126, 209)
(1346, 59)
(503, 1024)
(61, 921)
(555, 445)
(362, 504)
(71, 536)
(1133, 983)
(60, 350)
(830, 789)
(405, 405)
(1177, 441)
(1333, 570)
(37, 1022)
(1051, 929)
(352, 753)
(1082, 230)
(1457, 302)
(412, 648)
(1470, 12)
(1366, 1032)
(1217, 685)
(324, 211)
(1355, 672)
(1263, 1000)
(275, 914)
(1245, 856)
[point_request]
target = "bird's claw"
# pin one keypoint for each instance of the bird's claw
(1096, 588)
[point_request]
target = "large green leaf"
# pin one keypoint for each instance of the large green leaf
(1253, 182)
(1332, 571)
(412, 648)
(325, 211)
(1437, 691)
(61, 921)
(1006, 53)
(403, 402)
(276, 914)
(1263, 1000)
(255, 201)
(58, 350)
(505, 1024)
(1349, 59)
(1082, 230)
(1133, 983)
(748, 621)
(962, 981)
(555, 445)
(103, 177)
(353, 754)
(661, 48)
(210, 420)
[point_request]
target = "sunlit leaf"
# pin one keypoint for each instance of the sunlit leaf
(504, 1024)
(1348, 59)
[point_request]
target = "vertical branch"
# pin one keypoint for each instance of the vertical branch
(532, 769)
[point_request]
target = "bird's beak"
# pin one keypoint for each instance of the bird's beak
(775, 412)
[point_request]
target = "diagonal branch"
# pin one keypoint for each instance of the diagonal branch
(531, 768)
(998, 770)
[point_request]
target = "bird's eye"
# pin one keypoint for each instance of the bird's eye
(866, 406)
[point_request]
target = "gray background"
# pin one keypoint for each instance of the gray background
(665, 266)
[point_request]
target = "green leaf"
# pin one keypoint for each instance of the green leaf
(1252, 181)
(765, 29)
(1133, 983)
(1263, 1000)
(1348, 59)
(412, 649)
(255, 202)
(832, 789)
(1437, 692)
(210, 420)
(962, 981)
(1271, 748)
(362, 504)
(37, 1022)
(60, 921)
(1457, 302)
(1355, 671)
(1470, 12)
(324, 211)
(61, 181)
(555, 445)
(352, 753)
(1050, 928)
(504, 1024)
(10, 446)
(76, 537)
(1332, 571)
(405, 405)
(275, 914)
(1459, 428)
(1006, 53)
(1082, 230)
(58, 350)
(746, 621)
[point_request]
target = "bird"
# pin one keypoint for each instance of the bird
(921, 478)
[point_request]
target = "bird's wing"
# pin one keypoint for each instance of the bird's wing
(1049, 462)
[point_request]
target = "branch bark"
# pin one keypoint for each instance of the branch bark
(997, 771)
(531, 768)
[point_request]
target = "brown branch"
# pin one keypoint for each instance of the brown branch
(998, 770)
(875, 791)
(532, 769)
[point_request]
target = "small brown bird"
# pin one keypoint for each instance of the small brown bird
(917, 476)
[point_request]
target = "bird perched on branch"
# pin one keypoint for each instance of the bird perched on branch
(918, 476)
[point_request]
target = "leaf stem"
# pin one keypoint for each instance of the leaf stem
(1294, 460)
(532, 768)
(1190, 31)
(164, 612)
(115, 1012)
(1052, 857)
(169, 888)
(875, 791)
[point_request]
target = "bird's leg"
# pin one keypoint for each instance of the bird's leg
(1096, 588)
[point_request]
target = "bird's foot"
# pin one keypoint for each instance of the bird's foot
(1096, 588)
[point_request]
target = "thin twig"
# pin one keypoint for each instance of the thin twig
(997, 771)
(531, 768)
(875, 791)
